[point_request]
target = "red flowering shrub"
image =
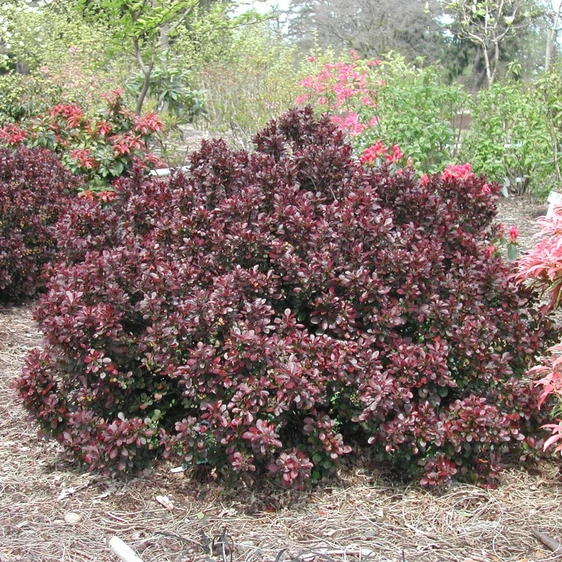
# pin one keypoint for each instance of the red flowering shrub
(101, 147)
(274, 311)
(34, 192)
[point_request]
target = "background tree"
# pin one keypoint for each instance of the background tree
(35, 33)
(52, 55)
(552, 17)
(370, 28)
(489, 25)
(146, 25)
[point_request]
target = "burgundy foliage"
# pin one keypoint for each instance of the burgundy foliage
(34, 192)
(274, 311)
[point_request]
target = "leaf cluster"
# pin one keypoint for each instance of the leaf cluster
(35, 191)
(100, 147)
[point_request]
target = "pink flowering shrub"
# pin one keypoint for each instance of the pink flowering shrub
(278, 311)
(391, 102)
(541, 267)
(342, 88)
(100, 148)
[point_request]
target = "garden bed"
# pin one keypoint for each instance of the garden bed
(362, 516)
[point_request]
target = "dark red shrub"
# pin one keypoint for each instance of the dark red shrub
(273, 311)
(34, 192)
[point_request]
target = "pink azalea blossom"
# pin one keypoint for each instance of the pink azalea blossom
(458, 171)
(352, 124)
(396, 154)
(371, 154)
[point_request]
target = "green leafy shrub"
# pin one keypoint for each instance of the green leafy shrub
(66, 59)
(21, 96)
(549, 90)
(173, 92)
(35, 191)
(510, 138)
(271, 312)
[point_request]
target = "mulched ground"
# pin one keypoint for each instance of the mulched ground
(522, 213)
(49, 511)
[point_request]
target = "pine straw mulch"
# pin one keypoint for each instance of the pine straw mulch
(50, 511)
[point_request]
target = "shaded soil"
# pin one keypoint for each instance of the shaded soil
(49, 511)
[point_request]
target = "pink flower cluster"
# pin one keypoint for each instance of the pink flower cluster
(458, 171)
(113, 96)
(396, 154)
(350, 123)
(103, 128)
(149, 123)
(341, 81)
(543, 264)
(127, 144)
(342, 88)
(71, 113)
(84, 139)
(372, 155)
(552, 386)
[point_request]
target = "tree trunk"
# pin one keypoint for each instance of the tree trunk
(549, 47)
(478, 69)
(144, 91)
(22, 68)
(165, 37)
(551, 39)
(486, 54)
(496, 61)
(147, 73)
